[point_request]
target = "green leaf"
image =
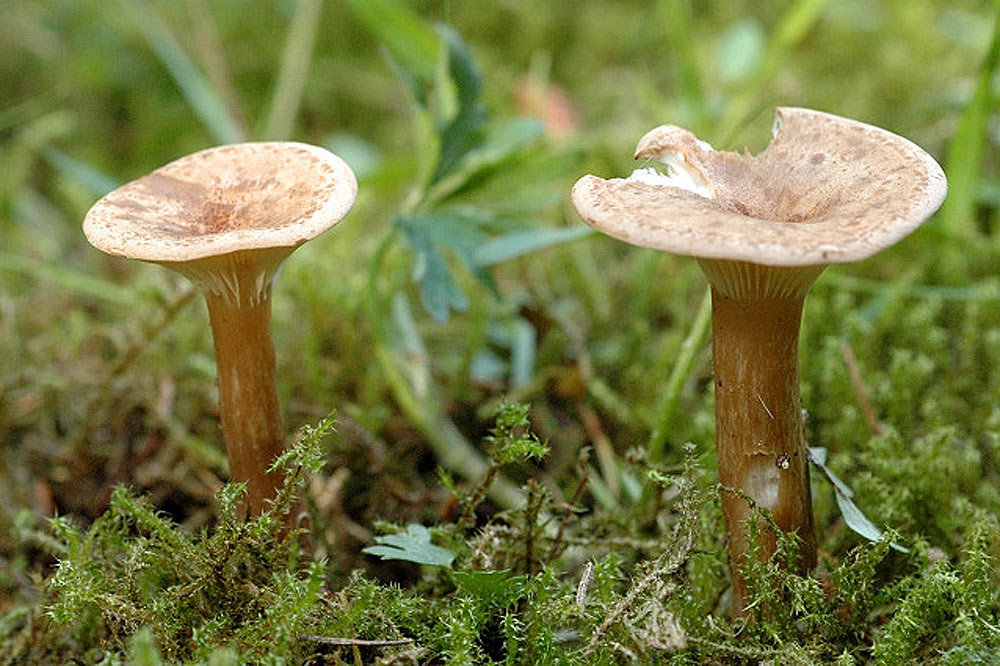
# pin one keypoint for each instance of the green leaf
(426, 233)
(500, 143)
(407, 36)
(497, 589)
(487, 366)
(414, 545)
(442, 99)
(853, 516)
(142, 649)
(427, 154)
(519, 339)
(464, 83)
(525, 184)
(519, 243)
(459, 232)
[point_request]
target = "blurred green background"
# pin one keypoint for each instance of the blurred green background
(106, 369)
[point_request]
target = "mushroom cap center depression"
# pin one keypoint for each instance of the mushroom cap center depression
(245, 204)
(790, 181)
(226, 199)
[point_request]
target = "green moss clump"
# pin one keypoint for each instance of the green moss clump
(542, 584)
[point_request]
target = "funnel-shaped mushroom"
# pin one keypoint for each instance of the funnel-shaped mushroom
(226, 218)
(826, 190)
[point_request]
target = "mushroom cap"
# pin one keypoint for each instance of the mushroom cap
(826, 190)
(227, 199)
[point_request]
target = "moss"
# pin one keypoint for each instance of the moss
(597, 556)
(137, 587)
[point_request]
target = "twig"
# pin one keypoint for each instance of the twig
(531, 511)
(859, 387)
(473, 500)
(584, 586)
(604, 540)
(602, 444)
(752, 653)
(557, 542)
(666, 564)
(331, 640)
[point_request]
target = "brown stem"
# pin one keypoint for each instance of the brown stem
(248, 398)
(758, 421)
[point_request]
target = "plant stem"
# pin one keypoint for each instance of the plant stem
(759, 428)
(252, 425)
(452, 449)
(683, 364)
(294, 69)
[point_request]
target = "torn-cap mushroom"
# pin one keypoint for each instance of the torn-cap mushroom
(227, 217)
(826, 190)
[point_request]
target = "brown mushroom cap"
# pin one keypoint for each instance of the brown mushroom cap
(228, 214)
(826, 190)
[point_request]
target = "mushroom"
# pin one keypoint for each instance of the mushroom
(226, 218)
(826, 190)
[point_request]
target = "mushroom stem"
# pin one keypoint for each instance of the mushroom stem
(252, 425)
(758, 424)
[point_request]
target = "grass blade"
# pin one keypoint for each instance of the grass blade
(966, 150)
(294, 67)
(410, 348)
(212, 56)
(988, 290)
(95, 180)
(682, 368)
(202, 98)
(68, 279)
(524, 345)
